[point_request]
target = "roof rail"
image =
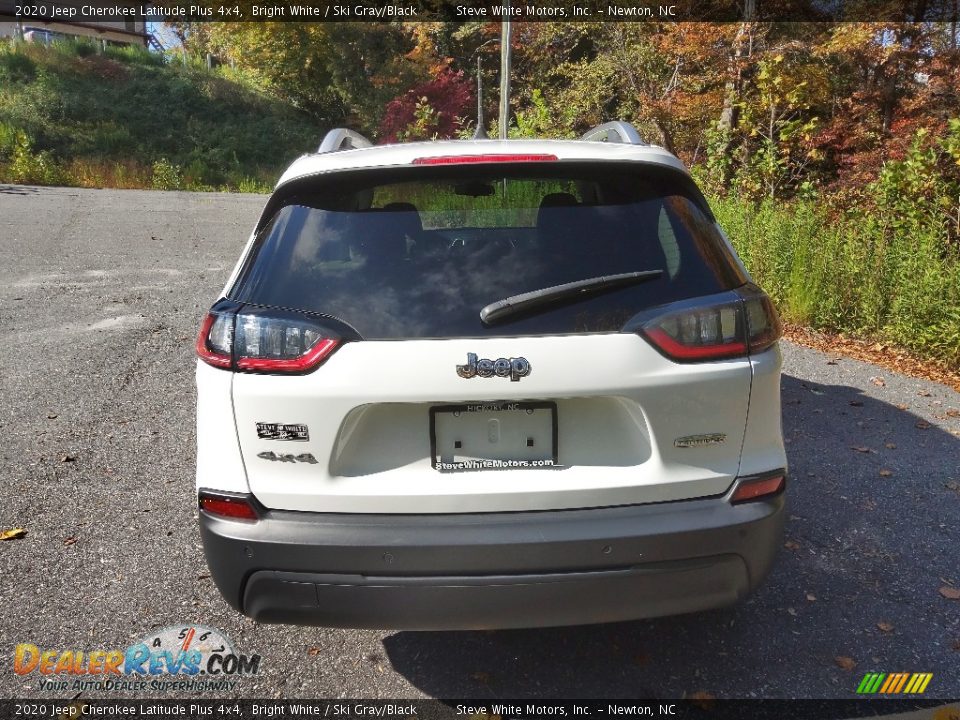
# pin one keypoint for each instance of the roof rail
(342, 139)
(617, 131)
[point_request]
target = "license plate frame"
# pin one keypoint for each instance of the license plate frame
(494, 410)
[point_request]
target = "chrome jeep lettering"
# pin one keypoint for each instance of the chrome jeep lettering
(513, 368)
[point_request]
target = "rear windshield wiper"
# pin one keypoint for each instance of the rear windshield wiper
(561, 294)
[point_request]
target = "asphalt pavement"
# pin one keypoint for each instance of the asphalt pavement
(101, 295)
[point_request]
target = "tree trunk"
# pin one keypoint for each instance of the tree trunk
(730, 115)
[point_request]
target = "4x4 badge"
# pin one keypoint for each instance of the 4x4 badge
(513, 368)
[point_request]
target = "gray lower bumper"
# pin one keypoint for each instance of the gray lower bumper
(493, 570)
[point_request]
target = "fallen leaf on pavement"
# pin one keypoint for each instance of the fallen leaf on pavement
(878, 381)
(811, 597)
(953, 413)
(885, 627)
(923, 393)
(950, 593)
(70, 541)
(886, 473)
(792, 611)
(68, 458)
(13, 534)
(845, 663)
(702, 698)
(856, 403)
(956, 645)
(923, 425)
(947, 712)
(890, 446)
(861, 448)
(313, 651)
(791, 545)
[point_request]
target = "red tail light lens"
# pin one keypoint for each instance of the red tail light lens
(705, 333)
(280, 345)
(732, 326)
(234, 507)
(265, 341)
(215, 342)
(756, 488)
(478, 159)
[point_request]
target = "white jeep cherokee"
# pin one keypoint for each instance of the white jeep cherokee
(477, 384)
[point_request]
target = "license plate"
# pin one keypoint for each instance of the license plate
(493, 436)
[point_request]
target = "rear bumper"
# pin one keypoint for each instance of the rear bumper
(494, 570)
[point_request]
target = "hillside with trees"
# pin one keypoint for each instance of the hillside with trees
(71, 114)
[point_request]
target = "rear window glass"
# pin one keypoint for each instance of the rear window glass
(418, 253)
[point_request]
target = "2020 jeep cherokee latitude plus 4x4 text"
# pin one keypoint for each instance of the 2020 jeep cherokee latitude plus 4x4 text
(473, 384)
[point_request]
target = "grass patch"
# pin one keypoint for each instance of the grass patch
(71, 114)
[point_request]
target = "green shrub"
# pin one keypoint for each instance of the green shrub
(15, 66)
(8, 141)
(32, 168)
(166, 175)
(81, 47)
(134, 55)
(253, 185)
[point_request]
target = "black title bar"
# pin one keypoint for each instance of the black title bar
(705, 708)
(96, 11)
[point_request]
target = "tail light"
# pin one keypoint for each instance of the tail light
(215, 342)
(760, 486)
(727, 326)
(234, 507)
(258, 340)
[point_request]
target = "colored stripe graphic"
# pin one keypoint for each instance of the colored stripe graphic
(894, 683)
(870, 683)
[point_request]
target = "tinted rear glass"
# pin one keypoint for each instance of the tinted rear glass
(418, 253)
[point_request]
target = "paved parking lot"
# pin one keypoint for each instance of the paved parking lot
(101, 293)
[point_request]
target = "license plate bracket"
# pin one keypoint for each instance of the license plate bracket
(501, 435)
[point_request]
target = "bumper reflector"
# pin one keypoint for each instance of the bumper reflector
(228, 506)
(753, 489)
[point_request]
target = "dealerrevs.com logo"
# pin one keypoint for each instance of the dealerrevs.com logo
(182, 658)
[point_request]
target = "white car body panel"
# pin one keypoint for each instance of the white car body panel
(626, 459)
(219, 460)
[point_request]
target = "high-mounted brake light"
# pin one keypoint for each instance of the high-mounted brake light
(488, 158)
(759, 487)
(234, 507)
(264, 341)
(726, 328)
